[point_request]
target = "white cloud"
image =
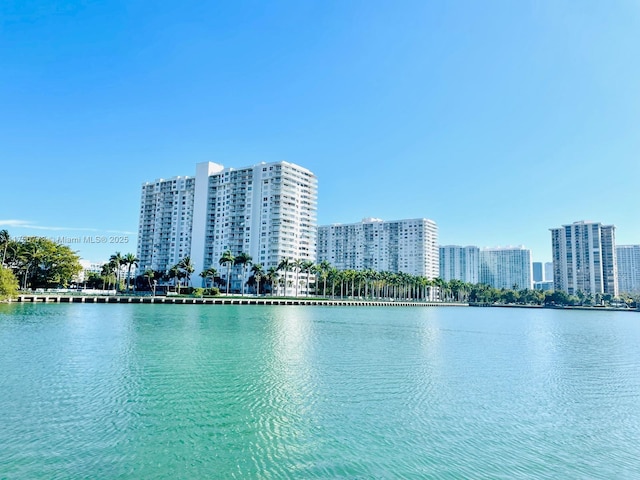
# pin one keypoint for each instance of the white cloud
(31, 225)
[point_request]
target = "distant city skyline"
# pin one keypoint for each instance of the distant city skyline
(489, 119)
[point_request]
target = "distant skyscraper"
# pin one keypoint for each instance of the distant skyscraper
(507, 267)
(548, 272)
(628, 257)
(459, 263)
(537, 272)
(266, 210)
(584, 258)
(408, 246)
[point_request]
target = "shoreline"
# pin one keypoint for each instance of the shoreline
(113, 299)
(171, 300)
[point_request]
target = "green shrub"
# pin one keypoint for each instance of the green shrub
(213, 291)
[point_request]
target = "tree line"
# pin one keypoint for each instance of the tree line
(37, 262)
(291, 277)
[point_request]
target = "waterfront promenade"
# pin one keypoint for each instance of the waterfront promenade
(56, 298)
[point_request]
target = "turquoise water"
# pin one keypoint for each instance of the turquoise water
(197, 391)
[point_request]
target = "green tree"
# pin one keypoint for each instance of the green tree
(285, 265)
(258, 273)
(29, 256)
(174, 275)
(209, 274)
(129, 261)
(8, 284)
(244, 260)
(227, 259)
(4, 244)
(40, 262)
(187, 268)
(272, 278)
(297, 267)
(107, 274)
(116, 261)
(149, 274)
(309, 268)
(323, 269)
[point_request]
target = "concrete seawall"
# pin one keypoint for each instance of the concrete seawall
(43, 298)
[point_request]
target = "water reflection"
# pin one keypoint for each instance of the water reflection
(163, 391)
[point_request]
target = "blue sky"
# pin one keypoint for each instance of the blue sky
(498, 120)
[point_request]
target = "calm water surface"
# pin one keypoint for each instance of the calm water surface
(197, 391)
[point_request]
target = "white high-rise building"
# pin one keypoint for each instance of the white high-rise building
(506, 267)
(584, 258)
(166, 216)
(628, 257)
(460, 263)
(408, 246)
(266, 210)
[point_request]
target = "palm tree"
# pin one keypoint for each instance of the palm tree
(187, 268)
(297, 267)
(334, 275)
(227, 258)
(285, 264)
(209, 273)
(4, 241)
(272, 276)
(29, 257)
(107, 274)
(181, 275)
(116, 260)
(258, 273)
(129, 260)
(323, 269)
(309, 268)
(243, 259)
(149, 274)
(174, 274)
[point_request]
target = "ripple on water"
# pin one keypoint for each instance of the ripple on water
(130, 391)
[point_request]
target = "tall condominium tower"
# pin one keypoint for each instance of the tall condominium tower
(266, 210)
(584, 258)
(628, 257)
(460, 263)
(506, 267)
(166, 216)
(408, 246)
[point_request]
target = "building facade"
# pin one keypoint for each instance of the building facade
(548, 272)
(628, 258)
(266, 210)
(537, 272)
(584, 258)
(506, 267)
(166, 218)
(408, 246)
(460, 263)
(544, 286)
